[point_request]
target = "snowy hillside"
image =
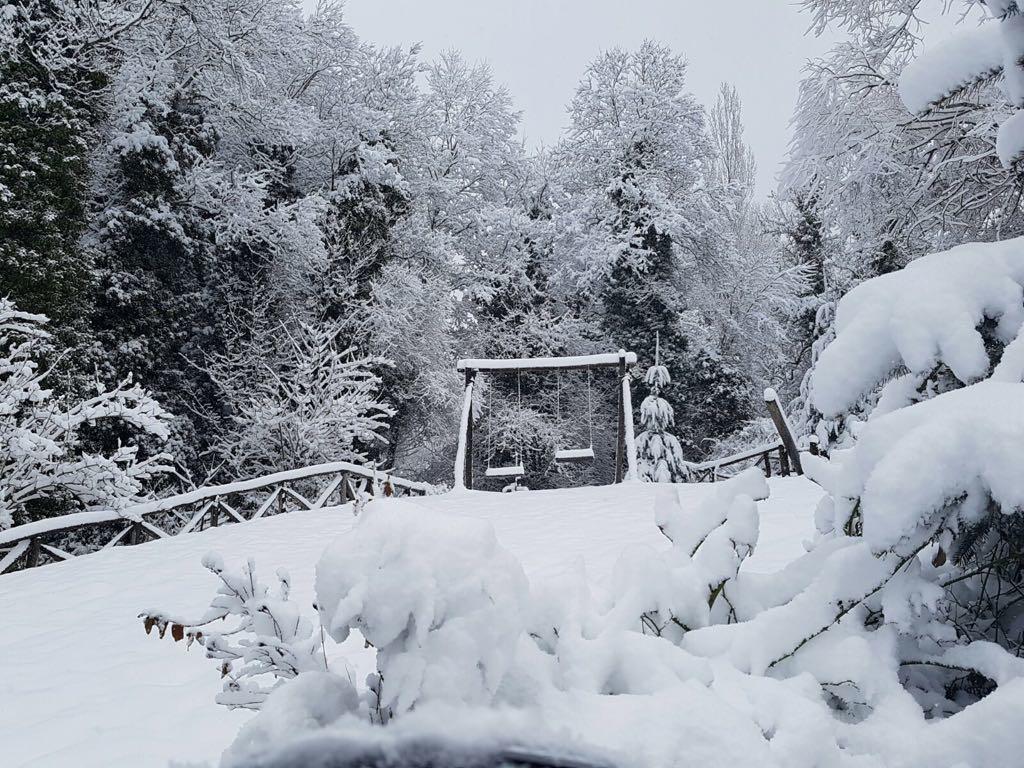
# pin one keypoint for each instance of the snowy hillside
(112, 696)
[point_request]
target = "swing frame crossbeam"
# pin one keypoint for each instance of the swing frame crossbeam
(625, 448)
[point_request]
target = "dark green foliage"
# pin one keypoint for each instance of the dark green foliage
(367, 199)
(47, 97)
(640, 302)
(154, 262)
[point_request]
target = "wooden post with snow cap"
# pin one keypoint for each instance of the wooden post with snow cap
(464, 453)
(771, 399)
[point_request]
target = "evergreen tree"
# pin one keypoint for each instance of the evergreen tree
(48, 90)
(660, 453)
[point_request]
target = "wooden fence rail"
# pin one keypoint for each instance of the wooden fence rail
(786, 448)
(710, 471)
(315, 487)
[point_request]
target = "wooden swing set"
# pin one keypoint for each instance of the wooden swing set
(625, 448)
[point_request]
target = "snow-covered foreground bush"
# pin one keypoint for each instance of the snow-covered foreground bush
(849, 656)
(941, 321)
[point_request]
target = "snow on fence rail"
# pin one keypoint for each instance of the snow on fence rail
(313, 487)
(710, 471)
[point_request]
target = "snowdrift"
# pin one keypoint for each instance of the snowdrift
(83, 685)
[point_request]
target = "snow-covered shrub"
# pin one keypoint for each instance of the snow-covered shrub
(944, 474)
(47, 462)
(929, 487)
(440, 600)
(838, 659)
(688, 586)
(270, 641)
(660, 454)
(949, 313)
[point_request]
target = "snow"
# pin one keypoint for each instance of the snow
(124, 698)
(578, 361)
(630, 439)
(515, 470)
(574, 454)
(909, 466)
(945, 68)
(925, 314)
(1010, 140)
(442, 602)
(460, 453)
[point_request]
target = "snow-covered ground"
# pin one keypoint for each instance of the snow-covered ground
(83, 685)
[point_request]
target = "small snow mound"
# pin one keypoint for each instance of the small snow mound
(308, 703)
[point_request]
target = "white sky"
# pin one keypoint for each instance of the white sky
(539, 49)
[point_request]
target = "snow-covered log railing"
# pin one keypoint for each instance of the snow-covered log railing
(710, 471)
(314, 487)
(549, 363)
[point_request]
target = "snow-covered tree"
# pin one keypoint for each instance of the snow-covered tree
(297, 397)
(50, 459)
(659, 452)
(642, 226)
(47, 95)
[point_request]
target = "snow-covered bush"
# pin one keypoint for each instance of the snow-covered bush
(271, 640)
(688, 587)
(660, 454)
(933, 355)
(440, 600)
(48, 464)
(944, 321)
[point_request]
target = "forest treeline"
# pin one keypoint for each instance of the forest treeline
(275, 239)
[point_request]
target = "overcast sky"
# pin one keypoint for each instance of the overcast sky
(539, 48)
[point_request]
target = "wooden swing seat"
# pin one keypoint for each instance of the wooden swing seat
(513, 471)
(574, 455)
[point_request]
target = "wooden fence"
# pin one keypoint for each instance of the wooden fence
(45, 541)
(785, 449)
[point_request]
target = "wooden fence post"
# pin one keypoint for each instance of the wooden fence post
(32, 555)
(782, 427)
(784, 469)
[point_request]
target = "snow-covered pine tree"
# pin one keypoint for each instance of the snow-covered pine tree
(48, 463)
(659, 452)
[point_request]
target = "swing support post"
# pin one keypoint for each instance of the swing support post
(620, 440)
(467, 468)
